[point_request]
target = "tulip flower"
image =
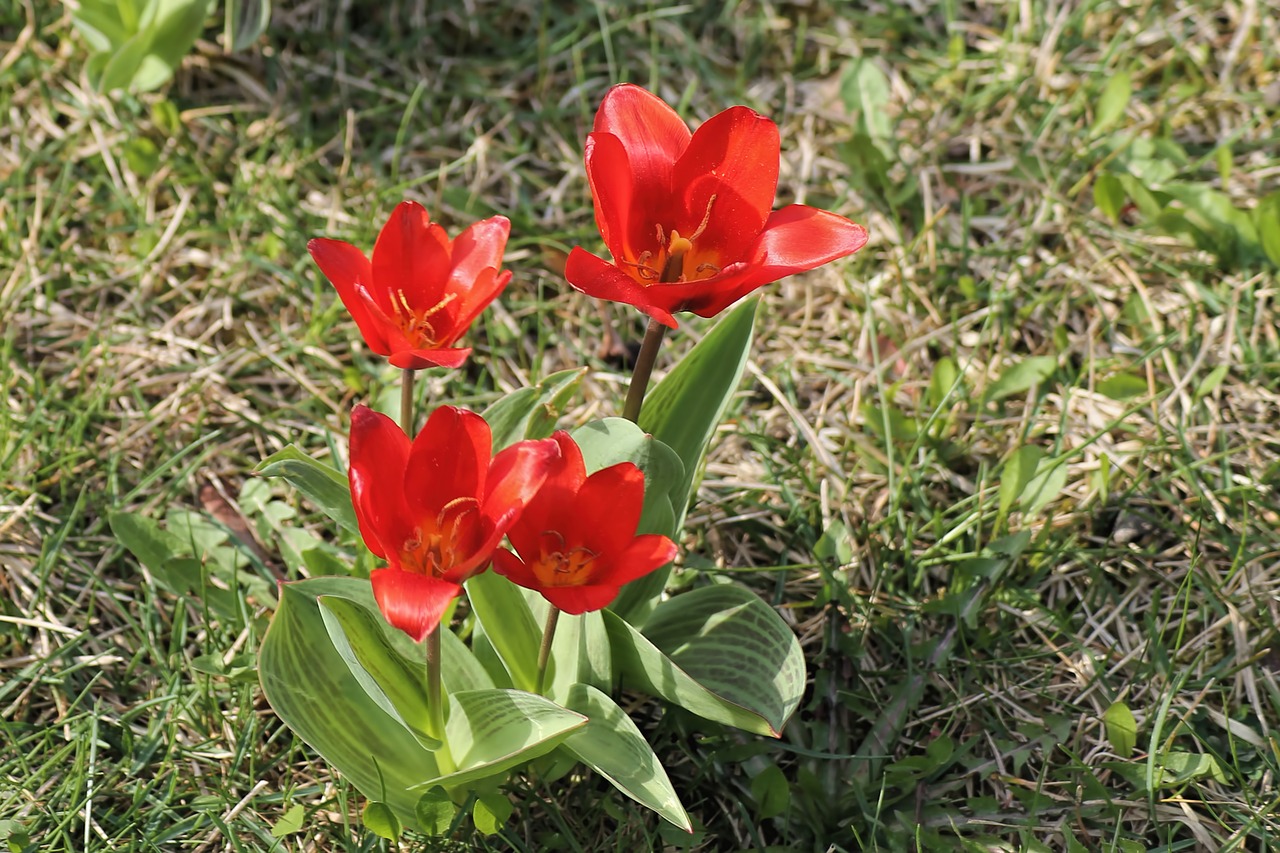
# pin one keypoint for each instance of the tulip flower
(688, 217)
(421, 290)
(436, 508)
(575, 542)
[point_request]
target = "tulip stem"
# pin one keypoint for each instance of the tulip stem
(406, 402)
(644, 369)
(544, 652)
(435, 710)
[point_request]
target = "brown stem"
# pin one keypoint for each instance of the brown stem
(644, 369)
(544, 651)
(406, 402)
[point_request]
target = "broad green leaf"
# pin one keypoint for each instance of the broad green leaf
(379, 819)
(152, 546)
(1021, 377)
(1045, 487)
(1109, 195)
(397, 683)
(290, 822)
(612, 745)
(435, 811)
(945, 378)
(683, 412)
(1122, 729)
(1182, 767)
(532, 412)
(492, 731)
(508, 624)
(864, 88)
(1123, 386)
(324, 485)
(1113, 101)
(719, 652)
(312, 690)
(1267, 223)
(580, 652)
(491, 811)
(771, 791)
(1018, 471)
(102, 23)
(245, 21)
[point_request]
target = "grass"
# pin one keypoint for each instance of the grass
(966, 628)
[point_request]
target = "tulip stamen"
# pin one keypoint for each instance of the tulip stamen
(642, 266)
(706, 219)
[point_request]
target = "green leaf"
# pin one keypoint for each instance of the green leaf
(508, 624)
(490, 812)
(1122, 729)
(945, 378)
(1021, 377)
(1045, 487)
(1123, 386)
(719, 652)
(1109, 195)
(142, 156)
(1018, 471)
(397, 683)
(323, 485)
(1182, 767)
(435, 811)
(379, 819)
(492, 731)
(245, 21)
(580, 653)
(683, 412)
(1267, 223)
(771, 791)
(153, 547)
(290, 822)
(312, 690)
(611, 744)
(532, 412)
(1211, 381)
(865, 89)
(1113, 101)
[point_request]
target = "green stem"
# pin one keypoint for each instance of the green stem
(435, 702)
(644, 369)
(544, 651)
(406, 402)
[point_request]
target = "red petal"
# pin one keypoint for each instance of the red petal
(645, 554)
(449, 460)
(651, 133)
(410, 259)
(733, 156)
(412, 602)
(417, 359)
(580, 599)
(607, 509)
(612, 191)
(555, 500)
(513, 569)
(379, 454)
(484, 289)
(514, 478)
(795, 239)
(476, 250)
(348, 270)
(596, 277)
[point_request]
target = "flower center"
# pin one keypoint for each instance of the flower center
(434, 549)
(417, 325)
(558, 566)
(677, 258)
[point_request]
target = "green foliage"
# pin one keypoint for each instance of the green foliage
(138, 44)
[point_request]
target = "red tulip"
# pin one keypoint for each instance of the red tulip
(436, 509)
(421, 291)
(576, 543)
(687, 216)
